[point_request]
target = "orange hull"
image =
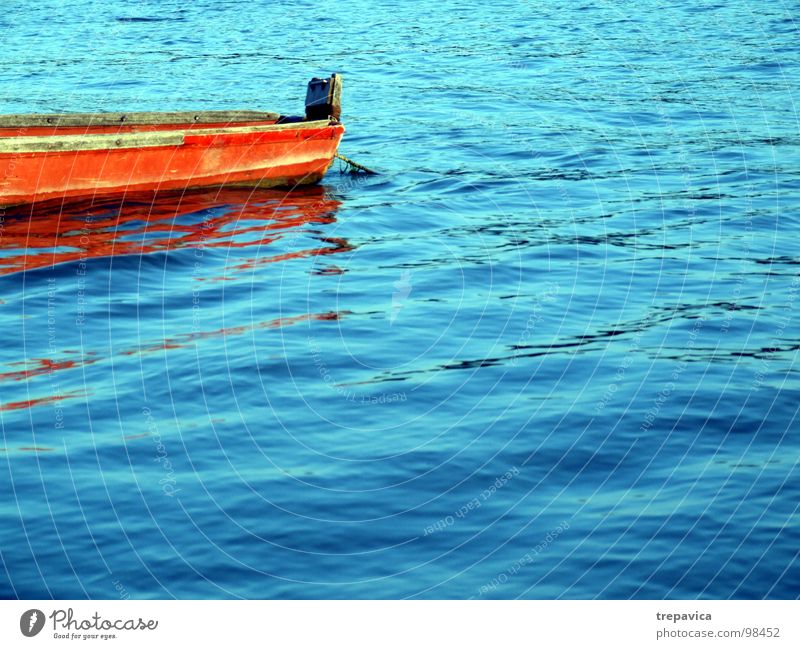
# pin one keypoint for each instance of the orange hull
(258, 156)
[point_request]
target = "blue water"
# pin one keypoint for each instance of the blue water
(551, 351)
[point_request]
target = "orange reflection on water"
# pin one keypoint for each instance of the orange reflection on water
(46, 235)
(55, 233)
(28, 449)
(30, 403)
(40, 366)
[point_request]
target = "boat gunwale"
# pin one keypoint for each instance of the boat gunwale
(133, 139)
(36, 120)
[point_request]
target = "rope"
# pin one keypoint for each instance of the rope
(355, 165)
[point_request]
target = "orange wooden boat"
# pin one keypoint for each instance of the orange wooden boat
(45, 157)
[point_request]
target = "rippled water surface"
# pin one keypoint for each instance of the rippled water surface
(550, 351)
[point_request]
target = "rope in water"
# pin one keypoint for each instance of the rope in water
(355, 165)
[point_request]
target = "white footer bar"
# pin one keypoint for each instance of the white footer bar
(401, 624)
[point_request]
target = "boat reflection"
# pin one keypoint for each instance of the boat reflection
(250, 227)
(45, 235)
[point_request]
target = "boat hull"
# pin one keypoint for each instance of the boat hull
(60, 163)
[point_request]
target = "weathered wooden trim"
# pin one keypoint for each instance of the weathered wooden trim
(336, 96)
(42, 143)
(291, 126)
(135, 119)
(38, 144)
